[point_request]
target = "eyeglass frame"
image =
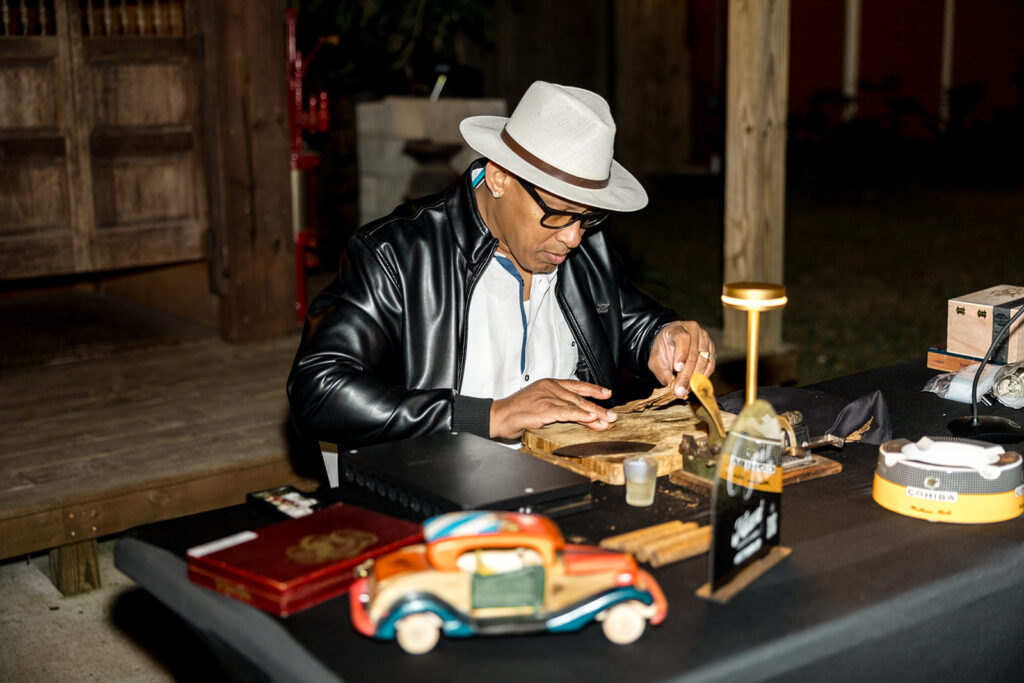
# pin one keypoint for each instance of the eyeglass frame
(587, 219)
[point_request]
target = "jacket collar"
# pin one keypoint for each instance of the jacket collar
(472, 237)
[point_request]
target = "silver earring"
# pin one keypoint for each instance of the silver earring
(496, 194)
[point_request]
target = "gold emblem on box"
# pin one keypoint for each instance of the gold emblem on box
(337, 545)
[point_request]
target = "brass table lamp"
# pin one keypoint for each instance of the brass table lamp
(753, 297)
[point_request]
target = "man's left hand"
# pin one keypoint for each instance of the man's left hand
(681, 349)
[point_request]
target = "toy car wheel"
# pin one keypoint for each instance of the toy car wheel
(418, 633)
(624, 623)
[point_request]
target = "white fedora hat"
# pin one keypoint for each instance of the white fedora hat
(560, 139)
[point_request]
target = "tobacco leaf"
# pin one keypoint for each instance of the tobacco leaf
(856, 435)
(661, 396)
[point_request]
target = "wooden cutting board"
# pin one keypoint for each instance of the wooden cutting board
(664, 427)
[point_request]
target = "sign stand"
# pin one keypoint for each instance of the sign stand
(745, 577)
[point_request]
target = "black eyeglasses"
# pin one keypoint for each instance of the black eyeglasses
(557, 219)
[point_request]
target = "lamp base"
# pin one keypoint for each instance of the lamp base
(989, 428)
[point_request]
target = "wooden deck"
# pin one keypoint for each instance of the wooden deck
(94, 447)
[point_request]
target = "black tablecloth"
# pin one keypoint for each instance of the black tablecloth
(865, 592)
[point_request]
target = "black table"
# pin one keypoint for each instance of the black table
(865, 593)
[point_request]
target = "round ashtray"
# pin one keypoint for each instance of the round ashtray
(946, 479)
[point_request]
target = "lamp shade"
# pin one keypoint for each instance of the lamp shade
(754, 296)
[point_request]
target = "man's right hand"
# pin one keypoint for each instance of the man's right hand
(546, 401)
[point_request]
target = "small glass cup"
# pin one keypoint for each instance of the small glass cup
(641, 479)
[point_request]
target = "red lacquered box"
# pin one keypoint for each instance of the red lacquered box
(286, 567)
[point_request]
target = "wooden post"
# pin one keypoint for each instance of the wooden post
(757, 83)
(78, 113)
(946, 69)
(851, 58)
(654, 85)
(251, 209)
(75, 568)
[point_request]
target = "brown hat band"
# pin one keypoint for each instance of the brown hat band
(548, 168)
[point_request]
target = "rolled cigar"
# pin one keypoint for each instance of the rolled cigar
(631, 541)
(694, 545)
(646, 532)
(646, 550)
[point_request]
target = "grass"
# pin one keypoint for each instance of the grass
(868, 272)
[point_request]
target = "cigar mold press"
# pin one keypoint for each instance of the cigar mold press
(700, 457)
(946, 479)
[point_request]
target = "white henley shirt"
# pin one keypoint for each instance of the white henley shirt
(512, 343)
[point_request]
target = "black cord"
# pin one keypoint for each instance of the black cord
(988, 355)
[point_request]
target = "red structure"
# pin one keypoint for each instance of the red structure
(303, 117)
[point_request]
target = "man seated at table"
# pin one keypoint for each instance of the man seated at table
(495, 306)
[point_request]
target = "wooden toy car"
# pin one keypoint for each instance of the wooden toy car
(481, 573)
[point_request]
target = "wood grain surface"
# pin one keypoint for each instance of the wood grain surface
(663, 427)
(97, 446)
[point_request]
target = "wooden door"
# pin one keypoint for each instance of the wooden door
(100, 161)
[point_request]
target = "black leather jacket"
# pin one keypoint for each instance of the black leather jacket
(383, 349)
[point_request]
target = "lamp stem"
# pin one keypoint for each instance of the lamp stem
(753, 330)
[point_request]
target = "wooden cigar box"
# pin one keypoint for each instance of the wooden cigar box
(973, 320)
(289, 566)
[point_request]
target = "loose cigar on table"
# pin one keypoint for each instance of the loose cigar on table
(647, 550)
(694, 545)
(633, 539)
(683, 552)
(648, 532)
